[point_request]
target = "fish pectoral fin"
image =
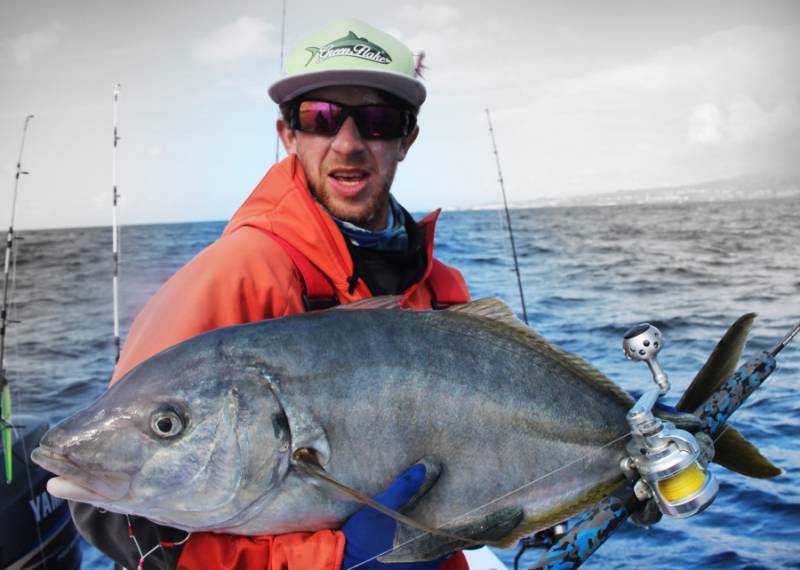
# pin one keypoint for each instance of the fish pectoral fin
(443, 539)
(410, 545)
(307, 462)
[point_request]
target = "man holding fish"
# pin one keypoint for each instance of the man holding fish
(320, 229)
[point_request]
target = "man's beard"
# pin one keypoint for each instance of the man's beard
(377, 205)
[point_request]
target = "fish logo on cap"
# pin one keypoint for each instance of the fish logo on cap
(349, 52)
(350, 46)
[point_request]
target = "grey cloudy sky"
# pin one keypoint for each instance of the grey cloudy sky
(586, 96)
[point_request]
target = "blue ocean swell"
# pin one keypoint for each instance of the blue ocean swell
(691, 269)
(588, 274)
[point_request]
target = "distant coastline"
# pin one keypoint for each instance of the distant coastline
(728, 190)
(745, 188)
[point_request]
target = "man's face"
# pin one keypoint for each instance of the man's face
(349, 175)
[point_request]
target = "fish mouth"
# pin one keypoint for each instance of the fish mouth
(76, 484)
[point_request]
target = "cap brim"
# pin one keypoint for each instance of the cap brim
(403, 86)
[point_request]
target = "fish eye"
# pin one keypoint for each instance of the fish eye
(166, 423)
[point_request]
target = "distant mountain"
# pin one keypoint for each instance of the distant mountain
(747, 187)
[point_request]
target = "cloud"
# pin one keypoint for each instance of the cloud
(463, 64)
(716, 106)
(750, 122)
(759, 62)
(245, 38)
(99, 199)
(26, 47)
(431, 16)
(706, 123)
(742, 120)
(739, 86)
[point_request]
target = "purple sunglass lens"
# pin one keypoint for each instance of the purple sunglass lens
(319, 116)
(380, 121)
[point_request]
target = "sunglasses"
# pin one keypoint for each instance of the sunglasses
(373, 121)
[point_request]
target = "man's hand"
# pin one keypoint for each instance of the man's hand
(369, 533)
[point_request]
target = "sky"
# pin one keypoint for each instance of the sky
(585, 96)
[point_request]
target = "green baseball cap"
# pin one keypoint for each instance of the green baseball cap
(349, 52)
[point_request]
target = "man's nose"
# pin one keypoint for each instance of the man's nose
(348, 140)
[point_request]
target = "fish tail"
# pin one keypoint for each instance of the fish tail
(731, 449)
(314, 51)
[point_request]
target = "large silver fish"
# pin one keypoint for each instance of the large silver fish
(205, 436)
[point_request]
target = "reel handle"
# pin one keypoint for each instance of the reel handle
(642, 343)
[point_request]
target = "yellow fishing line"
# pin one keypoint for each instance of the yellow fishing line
(682, 485)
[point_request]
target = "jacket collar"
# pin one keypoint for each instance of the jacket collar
(281, 203)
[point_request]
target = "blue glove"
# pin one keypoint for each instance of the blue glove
(369, 533)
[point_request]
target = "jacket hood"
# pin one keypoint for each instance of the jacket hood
(282, 204)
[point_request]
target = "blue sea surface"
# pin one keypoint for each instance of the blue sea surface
(588, 275)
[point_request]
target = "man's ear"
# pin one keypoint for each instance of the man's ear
(288, 136)
(407, 141)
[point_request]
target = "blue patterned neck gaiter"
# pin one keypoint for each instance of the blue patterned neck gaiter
(393, 238)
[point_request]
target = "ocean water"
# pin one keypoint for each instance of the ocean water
(588, 275)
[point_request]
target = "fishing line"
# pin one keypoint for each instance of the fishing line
(26, 462)
(280, 71)
(493, 501)
(115, 233)
(505, 246)
(752, 402)
(508, 219)
(13, 306)
(748, 404)
(161, 544)
(5, 388)
(719, 435)
(26, 455)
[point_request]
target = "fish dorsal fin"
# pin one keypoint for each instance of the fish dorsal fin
(496, 310)
(489, 307)
(352, 36)
(719, 366)
(381, 302)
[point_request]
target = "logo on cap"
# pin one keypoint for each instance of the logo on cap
(350, 46)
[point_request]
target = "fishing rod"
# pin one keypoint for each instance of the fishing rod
(689, 487)
(280, 70)
(115, 230)
(5, 391)
(508, 219)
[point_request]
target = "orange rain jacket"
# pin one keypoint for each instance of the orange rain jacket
(247, 276)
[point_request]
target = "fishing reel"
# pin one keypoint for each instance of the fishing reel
(666, 460)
